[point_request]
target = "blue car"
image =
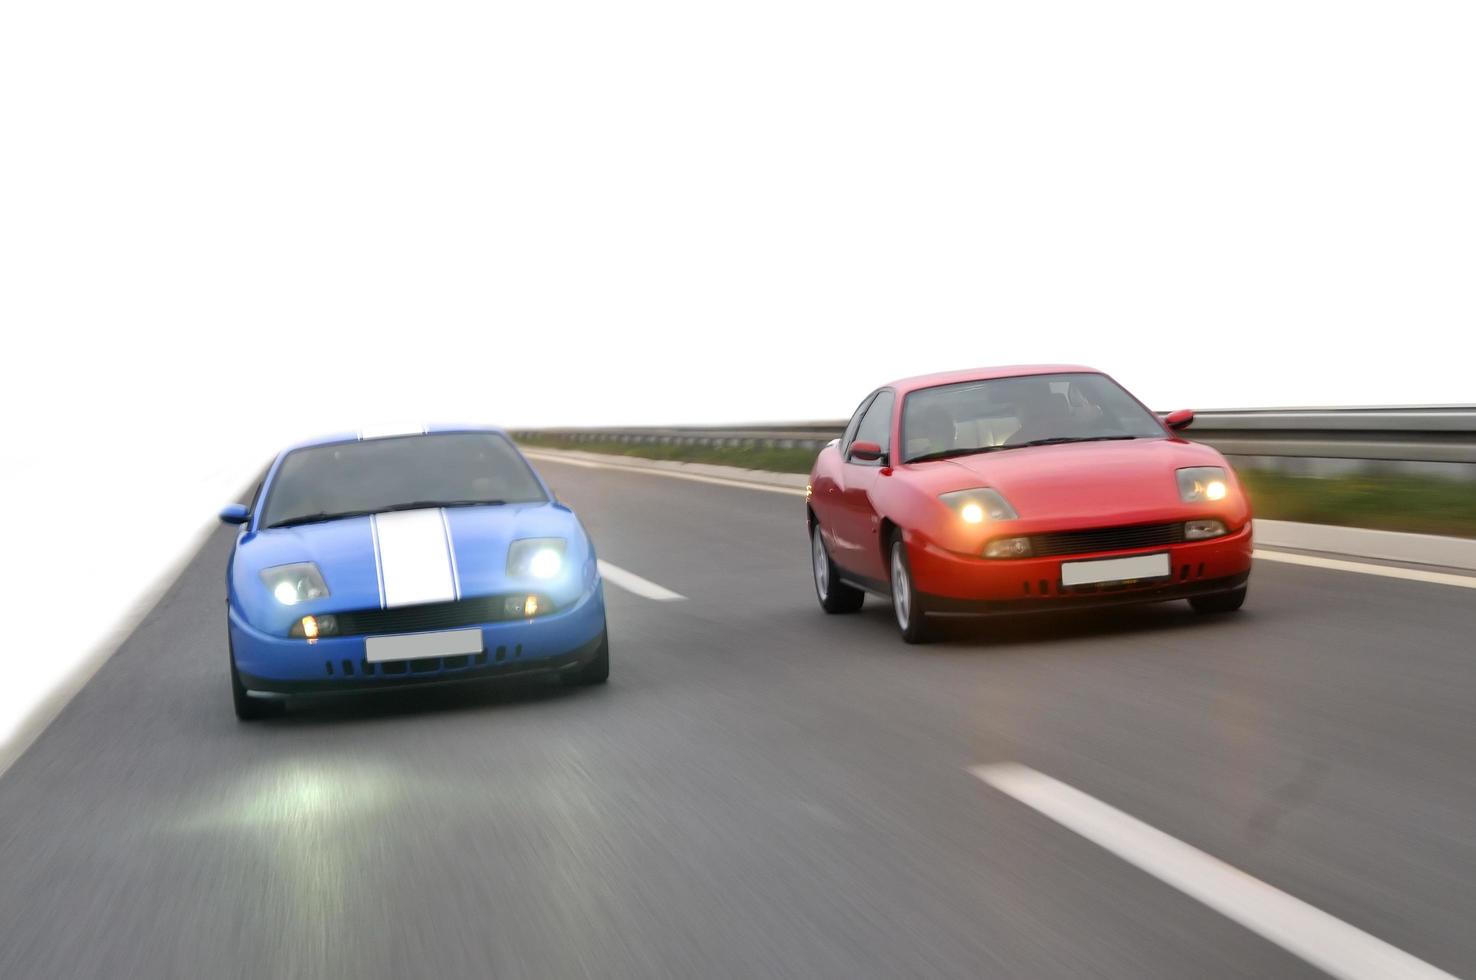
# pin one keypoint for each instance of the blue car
(379, 559)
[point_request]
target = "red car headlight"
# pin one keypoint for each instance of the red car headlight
(980, 505)
(1203, 484)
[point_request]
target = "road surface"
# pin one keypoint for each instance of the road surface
(761, 790)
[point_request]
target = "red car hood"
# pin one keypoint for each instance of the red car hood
(1078, 484)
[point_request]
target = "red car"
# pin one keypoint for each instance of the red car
(1022, 489)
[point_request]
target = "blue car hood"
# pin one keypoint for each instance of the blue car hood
(349, 556)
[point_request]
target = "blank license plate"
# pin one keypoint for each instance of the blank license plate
(1115, 569)
(415, 646)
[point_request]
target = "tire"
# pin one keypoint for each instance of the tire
(835, 596)
(247, 707)
(1219, 602)
(597, 671)
(907, 607)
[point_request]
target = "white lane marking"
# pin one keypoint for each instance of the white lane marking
(1322, 940)
(696, 477)
(1363, 568)
(413, 557)
(631, 582)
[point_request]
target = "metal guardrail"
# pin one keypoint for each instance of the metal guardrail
(1431, 435)
(1412, 435)
(793, 435)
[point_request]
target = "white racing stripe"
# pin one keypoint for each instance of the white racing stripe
(451, 554)
(631, 582)
(1364, 568)
(414, 557)
(1322, 940)
(378, 565)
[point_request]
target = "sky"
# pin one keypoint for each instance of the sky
(223, 228)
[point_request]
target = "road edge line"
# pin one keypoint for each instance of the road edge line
(1364, 568)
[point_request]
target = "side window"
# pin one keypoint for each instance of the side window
(876, 423)
(855, 421)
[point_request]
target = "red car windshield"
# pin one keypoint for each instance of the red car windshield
(1005, 413)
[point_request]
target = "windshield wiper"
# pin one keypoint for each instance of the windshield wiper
(318, 517)
(413, 505)
(1058, 440)
(424, 504)
(953, 453)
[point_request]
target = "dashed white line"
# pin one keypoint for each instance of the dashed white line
(1321, 939)
(1364, 568)
(631, 582)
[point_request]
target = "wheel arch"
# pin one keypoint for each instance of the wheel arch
(884, 533)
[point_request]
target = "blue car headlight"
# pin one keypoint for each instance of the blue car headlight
(540, 558)
(298, 582)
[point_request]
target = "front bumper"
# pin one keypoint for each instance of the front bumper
(564, 640)
(951, 582)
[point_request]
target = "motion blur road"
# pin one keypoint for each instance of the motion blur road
(761, 790)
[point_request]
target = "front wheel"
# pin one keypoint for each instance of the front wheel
(912, 619)
(1219, 602)
(835, 596)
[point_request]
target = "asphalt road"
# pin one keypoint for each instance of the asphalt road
(761, 790)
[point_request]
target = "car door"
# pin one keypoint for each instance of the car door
(856, 547)
(825, 491)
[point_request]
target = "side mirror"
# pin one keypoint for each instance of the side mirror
(1181, 419)
(234, 514)
(868, 451)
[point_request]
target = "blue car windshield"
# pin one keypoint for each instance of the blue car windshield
(345, 479)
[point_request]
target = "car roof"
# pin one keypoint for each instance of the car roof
(388, 432)
(905, 385)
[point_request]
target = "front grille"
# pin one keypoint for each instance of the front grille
(1106, 539)
(432, 616)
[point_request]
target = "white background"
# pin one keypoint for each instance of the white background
(226, 226)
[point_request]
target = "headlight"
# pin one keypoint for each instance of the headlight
(1202, 484)
(977, 506)
(1199, 530)
(298, 582)
(1008, 548)
(536, 558)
